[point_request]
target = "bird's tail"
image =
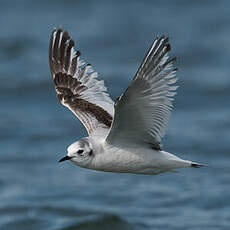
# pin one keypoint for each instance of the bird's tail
(197, 165)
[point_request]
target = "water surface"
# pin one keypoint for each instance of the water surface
(36, 192)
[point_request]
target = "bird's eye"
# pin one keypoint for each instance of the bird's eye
(80, 151)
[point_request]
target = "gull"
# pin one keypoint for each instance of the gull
(123, 136)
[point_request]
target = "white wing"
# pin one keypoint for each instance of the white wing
(142, 111)
(77, 85)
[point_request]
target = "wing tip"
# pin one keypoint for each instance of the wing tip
(168, 47)
(54, 30)
(78, 53)
(71, 43)
(65, 35)
(163, 37)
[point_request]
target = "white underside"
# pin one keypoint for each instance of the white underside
(140, 160)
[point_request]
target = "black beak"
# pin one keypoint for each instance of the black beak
(64, 158)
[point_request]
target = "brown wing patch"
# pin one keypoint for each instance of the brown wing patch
(74, 79)
(69, 91)
(99, 113)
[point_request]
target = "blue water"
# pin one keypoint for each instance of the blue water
(37, 192)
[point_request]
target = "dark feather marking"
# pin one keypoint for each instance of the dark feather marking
(99, 113)
(156, 146)
(70, 89)
(68, 53)
(56, 45)
(66, 88)
(196, 165)
(73, 64)
(65, 37)
(78, 53)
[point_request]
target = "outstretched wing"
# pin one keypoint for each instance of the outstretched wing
(77, 85)
(142, 111)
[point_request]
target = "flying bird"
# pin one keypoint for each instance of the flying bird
(123, 136)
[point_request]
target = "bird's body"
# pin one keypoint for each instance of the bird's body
(128, 159)
(124, 136)
(133, 159)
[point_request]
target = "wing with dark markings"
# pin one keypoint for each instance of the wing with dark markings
(77, 85)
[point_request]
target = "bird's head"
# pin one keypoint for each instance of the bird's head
(80, 153)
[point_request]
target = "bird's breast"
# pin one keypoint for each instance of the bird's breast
(122, 160)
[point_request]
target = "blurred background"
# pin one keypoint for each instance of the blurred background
(36, 192)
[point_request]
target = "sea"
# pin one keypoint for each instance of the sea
(37, 192)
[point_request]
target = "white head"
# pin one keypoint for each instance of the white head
(80, 152)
